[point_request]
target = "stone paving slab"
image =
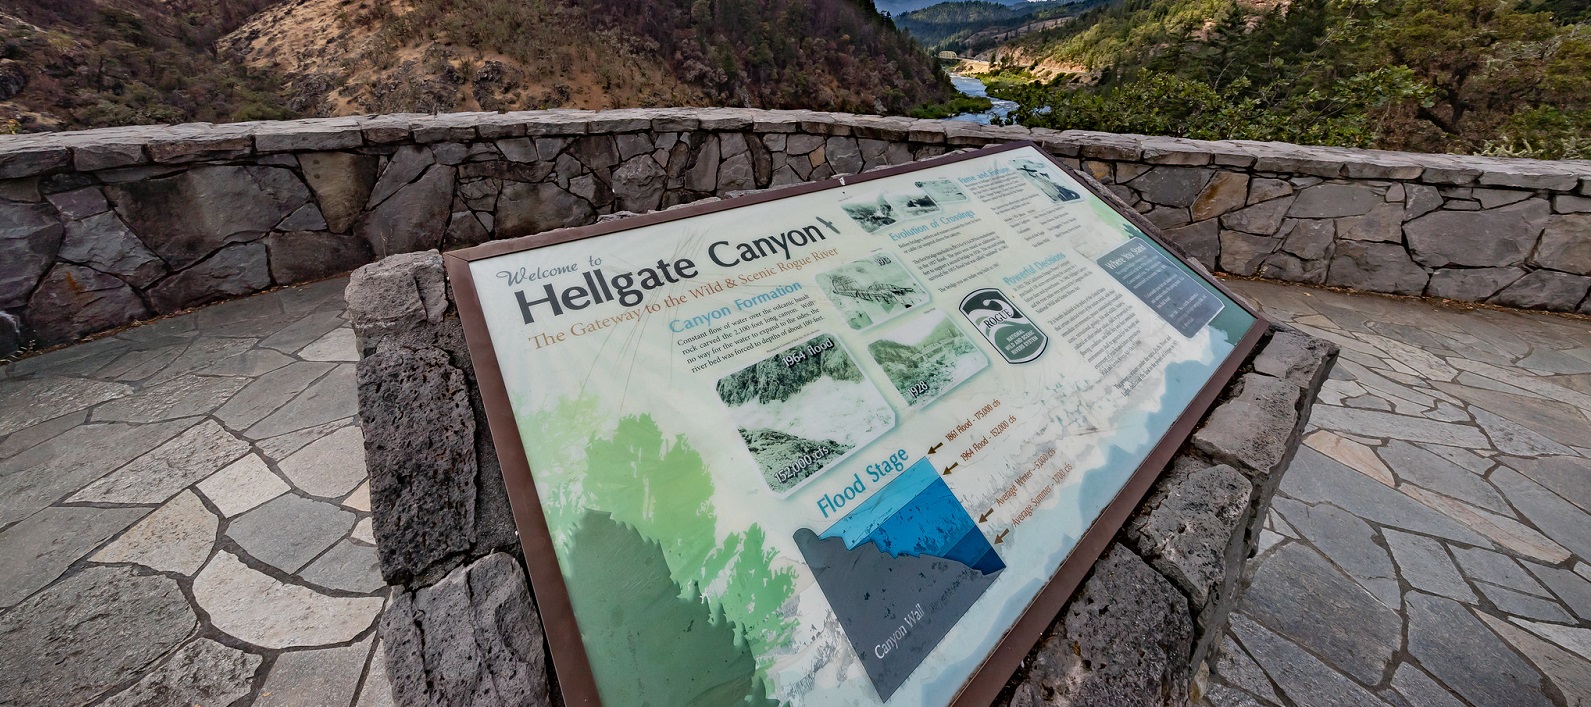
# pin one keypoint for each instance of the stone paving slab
(183, 515)
(1429, 545)
(194, 487)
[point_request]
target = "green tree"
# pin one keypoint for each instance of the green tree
(1452, 46)
(1565, 12)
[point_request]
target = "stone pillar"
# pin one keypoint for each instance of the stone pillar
(461, 628)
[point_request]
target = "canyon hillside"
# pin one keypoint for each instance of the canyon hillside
(68, 64)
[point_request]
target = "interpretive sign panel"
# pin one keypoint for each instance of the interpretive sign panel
(851, 443)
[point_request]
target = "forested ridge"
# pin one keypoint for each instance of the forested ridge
(1464, 76)
(970, 26)
(940, 25)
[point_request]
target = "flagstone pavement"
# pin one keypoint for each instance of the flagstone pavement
(1428, 545)
(184, 517)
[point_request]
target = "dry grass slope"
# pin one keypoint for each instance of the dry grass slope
(378, 56)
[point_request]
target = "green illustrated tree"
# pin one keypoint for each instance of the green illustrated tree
(649, 641)
(659, 486)
(662, 489)
(755, 593)
(561, 433)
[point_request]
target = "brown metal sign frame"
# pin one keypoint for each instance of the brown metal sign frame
(575, 679)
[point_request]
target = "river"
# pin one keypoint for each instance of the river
(973, 87)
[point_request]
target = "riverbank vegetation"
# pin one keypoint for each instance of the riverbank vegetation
(1465, 76)
(958, 105)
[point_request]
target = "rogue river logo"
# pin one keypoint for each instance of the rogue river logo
(1004, 326)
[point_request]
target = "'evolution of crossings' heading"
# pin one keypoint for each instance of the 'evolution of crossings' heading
(629, 288)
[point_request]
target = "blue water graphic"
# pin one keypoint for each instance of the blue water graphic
(918, 515)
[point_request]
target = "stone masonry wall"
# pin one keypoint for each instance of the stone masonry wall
(462, 629)
(103, 227)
